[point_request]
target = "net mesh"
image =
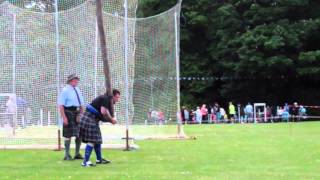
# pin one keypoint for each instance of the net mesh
(31, 69)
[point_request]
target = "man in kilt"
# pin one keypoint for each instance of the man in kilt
(100, 109)
(71, 104)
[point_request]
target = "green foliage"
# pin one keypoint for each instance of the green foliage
(274, 41)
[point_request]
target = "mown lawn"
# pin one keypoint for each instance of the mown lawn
(229, 151)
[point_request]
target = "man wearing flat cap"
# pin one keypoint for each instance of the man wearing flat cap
(71, 104)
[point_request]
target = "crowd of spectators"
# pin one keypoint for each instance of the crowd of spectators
(243, 113)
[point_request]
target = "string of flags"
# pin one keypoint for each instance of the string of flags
(222, 78)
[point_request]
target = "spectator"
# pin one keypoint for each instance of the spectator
(302, 112)
(11, 109)
(216, 109)
(232, 112)
(248, 111)
(211, 114)
(11, 106)
(285, 115)
(286, 107)
(279, 111)
(186, 115)
(161, 117)
(241, 113)
(204, 112)
(192, 116)
(182, 114)
(274, 113)
(295, 111)
(198, 115)
(269, 114)
(154, 116)
(223, 114)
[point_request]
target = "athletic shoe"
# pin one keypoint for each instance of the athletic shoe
(78, 156)
(67, 158)
(88, 164)
(103, 161)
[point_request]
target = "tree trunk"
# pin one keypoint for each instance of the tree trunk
(103, 46)
(104, 53)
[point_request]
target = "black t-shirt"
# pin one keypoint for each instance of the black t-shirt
(295, 110)
(104, 101)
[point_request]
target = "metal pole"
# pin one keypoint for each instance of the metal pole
(265, 113)
(96, 60)
(14, 59)
(41, 117)
(239, 108)
(177, 72)
(254, 114)
(49, 118)
(57, 46)
(14, 55)
(56, 15)
(126, 46)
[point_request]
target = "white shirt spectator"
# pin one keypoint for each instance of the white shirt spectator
(222, 112)
(11, 105)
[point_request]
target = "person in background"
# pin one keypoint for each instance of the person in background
(11, 108)
(286, 107)
(186, 115)
(248, 112)
(223, 115)
(192, 116)
(241, 117)
(216, 109)
(279, 112)
(198, 115)
(182, 114)
(274, 113)
(232, 112)
(204, 112)
(269, 114)
(295, 112)
(302, 112)
(210, 113)
(284, 115)
(161, 117)
(213, 117)
(149, 115)
(154, 116)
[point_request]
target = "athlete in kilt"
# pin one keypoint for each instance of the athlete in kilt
(101, 109)
(71, 104)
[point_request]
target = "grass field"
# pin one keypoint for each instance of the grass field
(230, 151)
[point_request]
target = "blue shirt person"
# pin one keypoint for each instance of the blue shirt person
(186, 114)
(71, 104)
(248, 111)
(68, 97)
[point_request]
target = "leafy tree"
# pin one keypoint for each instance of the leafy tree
(258, 50)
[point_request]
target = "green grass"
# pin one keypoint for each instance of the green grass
(254, 151)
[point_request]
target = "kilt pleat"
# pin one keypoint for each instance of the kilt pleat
(72, 129)
(90, 129)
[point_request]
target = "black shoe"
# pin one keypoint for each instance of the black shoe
(67, 158)
(103, 161)
(78, 156)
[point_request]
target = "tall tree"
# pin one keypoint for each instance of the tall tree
(103, 45)
(257, 50)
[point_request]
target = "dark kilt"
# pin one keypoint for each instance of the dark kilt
(72, 129)
(90, 129)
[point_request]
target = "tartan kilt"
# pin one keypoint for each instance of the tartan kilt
(90, 129)
(72, 129)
